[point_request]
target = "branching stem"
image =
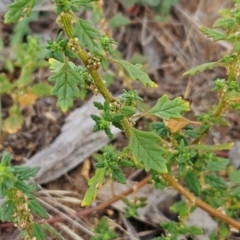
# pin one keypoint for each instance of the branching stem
(217, 113)
(168, 178)
(199, 203)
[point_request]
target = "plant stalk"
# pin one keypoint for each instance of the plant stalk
(199, 203)
(168, 178)
(217, 113)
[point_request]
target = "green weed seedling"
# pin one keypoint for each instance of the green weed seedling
(174, 140)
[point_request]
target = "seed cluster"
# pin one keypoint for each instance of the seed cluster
(22, 216)
(115, 106)
(66, 15)
(73, 44)
(93, 62)
(94, 89)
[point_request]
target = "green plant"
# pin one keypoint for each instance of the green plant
(21, 206)
(103, 232)
(24, 58)
(174, 140)
(22, 90)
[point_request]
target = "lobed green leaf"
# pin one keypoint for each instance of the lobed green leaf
(212, 33)
(145, 148)
(9, 180)
(180, 207)
(167, 109)
(38, 232)
(135, 73)
(217, 164)
(192, 182)
(160, 129)
(88, 35)
(224, 23)
(200, 68)
(6, 210)
(55, 65)
(118, 176)
(24, 173)
(37, 209)
(66, 87)
(215, 181)
(27, 189)
(18, 9)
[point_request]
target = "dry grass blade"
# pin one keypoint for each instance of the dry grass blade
(113, 224)
(129, 227)
(76, 222)
(57, 192)
(69, 232)
(196, 24)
